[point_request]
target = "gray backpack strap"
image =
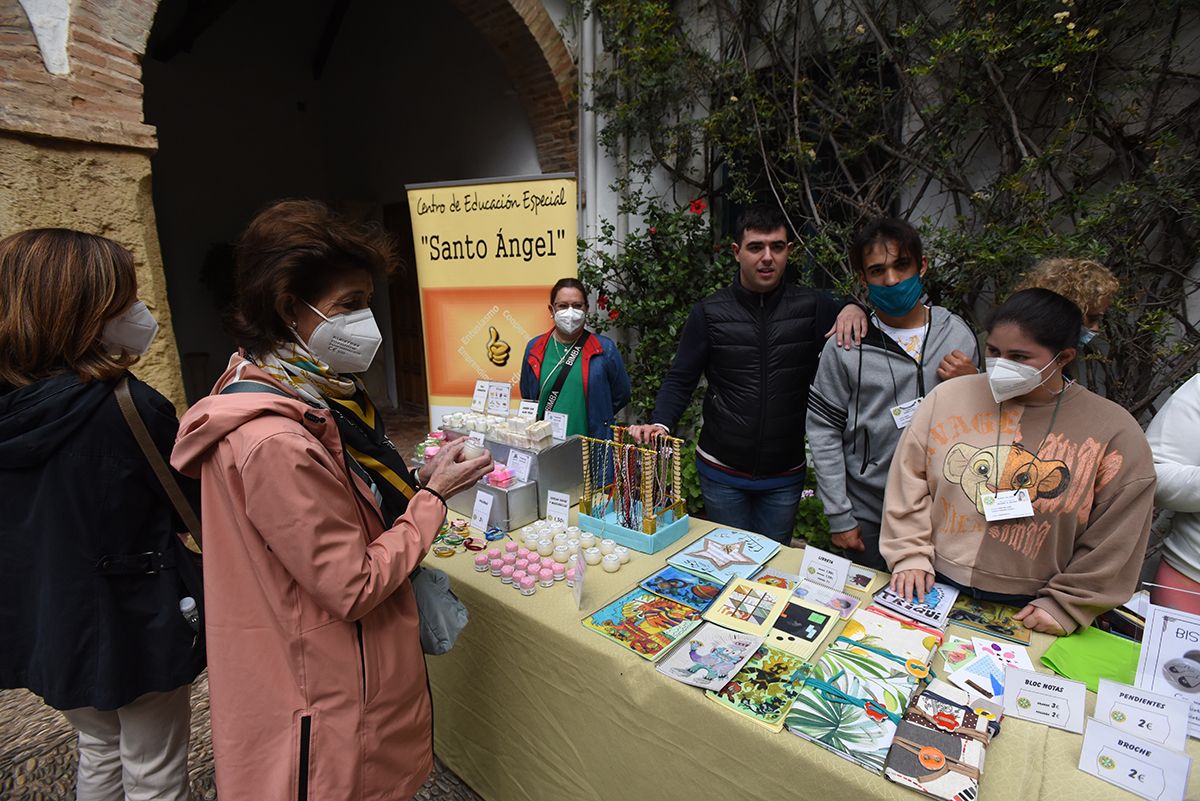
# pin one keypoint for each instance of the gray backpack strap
(254, 386)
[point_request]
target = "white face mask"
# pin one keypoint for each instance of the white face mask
(131, 331)
(569, 321)
(346, 342)
(1009, 379)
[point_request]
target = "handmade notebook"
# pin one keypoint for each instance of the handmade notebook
(801, 628)
(995, 620)
(683, 587)
(881, 628)
(763, 690)
(748, 606)
(933, 611)
(853, 700)
(940, 744)
(643, 622)
(725, 553)
(709, 656)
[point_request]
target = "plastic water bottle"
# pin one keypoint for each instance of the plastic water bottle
(191, 613)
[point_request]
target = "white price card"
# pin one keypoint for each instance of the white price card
(475, 438)
(1051, 700)
(1157, 718)
(498, 397)
(1144, 768)
(1169, 663)
(527, 410)
(519, 463)
(822, 567)
(558, 424)
(481, 515)
(479, 399)
(558, 504)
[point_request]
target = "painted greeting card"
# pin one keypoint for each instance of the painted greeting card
(957, 652)
(934, 610)
(725, 553)
(709, 657)
(982, 676)
(881, 628)
(748, 606)
(1009, 654)
(839, 602)
(763, 690)
(683, 587)
(777, 578)
(992, 619)
(643, 622)
(801, 628)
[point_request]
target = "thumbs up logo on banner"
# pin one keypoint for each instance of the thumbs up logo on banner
(497, 349)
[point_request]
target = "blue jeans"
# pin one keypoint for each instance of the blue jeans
(771, 513)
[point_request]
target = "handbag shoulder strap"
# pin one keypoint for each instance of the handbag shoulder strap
(157, 463)
(568, 362)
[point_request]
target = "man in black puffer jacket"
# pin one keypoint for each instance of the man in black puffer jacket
(757, 342)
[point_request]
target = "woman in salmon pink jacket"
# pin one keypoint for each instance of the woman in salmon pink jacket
(313, 524)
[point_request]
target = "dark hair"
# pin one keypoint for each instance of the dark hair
(296, 247)
(567, 283)
(761, 217)
(1046, 317)
(58, 289)
(886, 229)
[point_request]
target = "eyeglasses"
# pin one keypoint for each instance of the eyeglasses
(565, 306)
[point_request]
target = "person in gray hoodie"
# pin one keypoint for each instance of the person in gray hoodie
(863, 398)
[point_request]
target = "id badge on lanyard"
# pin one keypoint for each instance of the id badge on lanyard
(1006, 505)
(902, 415)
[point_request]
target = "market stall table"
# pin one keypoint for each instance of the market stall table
(531, 705)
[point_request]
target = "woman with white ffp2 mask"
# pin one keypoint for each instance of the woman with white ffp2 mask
(1021, 487)
(573, 371)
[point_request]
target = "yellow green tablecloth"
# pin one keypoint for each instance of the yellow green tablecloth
(531, 705)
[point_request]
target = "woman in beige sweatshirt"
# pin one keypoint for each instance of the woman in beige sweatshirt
(1020, 486)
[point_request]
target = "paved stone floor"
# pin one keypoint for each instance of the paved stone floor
(37, 745)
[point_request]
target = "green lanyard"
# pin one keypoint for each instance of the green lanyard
(1049, 428)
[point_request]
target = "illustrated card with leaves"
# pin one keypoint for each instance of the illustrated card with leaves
(683, 587)
(709, 656)
(852, 703)
(725, 553)
(940, 745)
(990, 618)
(748, 606)
(884, 629)
(643, 622)
(763, 690)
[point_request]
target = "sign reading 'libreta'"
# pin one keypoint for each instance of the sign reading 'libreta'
(487, 254)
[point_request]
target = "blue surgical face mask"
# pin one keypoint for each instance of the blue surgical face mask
(1086, 335)
(897, 300)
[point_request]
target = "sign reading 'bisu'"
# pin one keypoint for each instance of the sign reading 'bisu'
(487, 253)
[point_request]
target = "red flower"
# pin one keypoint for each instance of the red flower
(652, 230)
(614, 314)
(697, 206)
(602, 302)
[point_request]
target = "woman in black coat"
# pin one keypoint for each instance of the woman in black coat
(91, 567)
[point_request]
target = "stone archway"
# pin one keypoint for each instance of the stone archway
(75, 149)
(540, 66)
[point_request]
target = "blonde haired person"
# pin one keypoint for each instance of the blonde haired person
(91, 573)
(1087, 283)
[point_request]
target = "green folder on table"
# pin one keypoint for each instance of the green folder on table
(1091, 654)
